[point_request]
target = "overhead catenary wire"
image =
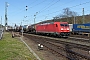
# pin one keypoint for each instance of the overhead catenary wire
(63, 4)
(79, 4)
(46, 5)
(29, 7)
(22, 9)
(56, 2)
(37, 4)
(51, 6)
(68, 7)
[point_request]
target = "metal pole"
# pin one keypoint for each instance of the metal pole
(34, 18)
(1, 21)
(67, 15)
(22, 29)
(83, 16)
(74, 20)
(6, 15)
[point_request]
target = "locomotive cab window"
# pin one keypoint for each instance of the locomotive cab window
(64, 24)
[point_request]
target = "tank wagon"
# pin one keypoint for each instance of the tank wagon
(31, 29)
(25, 28)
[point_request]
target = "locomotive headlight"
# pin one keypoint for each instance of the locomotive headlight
(61, 28)
(67, 28)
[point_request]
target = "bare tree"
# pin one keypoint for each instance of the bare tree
(67, 13)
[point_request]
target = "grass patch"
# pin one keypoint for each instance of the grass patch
(14, 49)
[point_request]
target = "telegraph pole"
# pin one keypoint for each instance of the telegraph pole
(6, 24)
(83, 16)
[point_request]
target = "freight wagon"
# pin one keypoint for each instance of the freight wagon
(31, 29)
(60, 29)
(81, 28)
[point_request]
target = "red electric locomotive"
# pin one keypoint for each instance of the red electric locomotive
(60, 29)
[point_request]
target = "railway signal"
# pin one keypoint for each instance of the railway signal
(26, 8)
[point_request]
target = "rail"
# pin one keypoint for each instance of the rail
(70, 54)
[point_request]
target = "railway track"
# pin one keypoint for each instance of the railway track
(80, 38)
(62, 47)
(66, 51)
(77, 38)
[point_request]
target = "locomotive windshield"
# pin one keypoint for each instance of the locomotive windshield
(64, 24)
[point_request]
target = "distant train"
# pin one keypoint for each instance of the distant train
(17, 28)
(60, 29)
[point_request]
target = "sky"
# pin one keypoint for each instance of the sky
(40, 10)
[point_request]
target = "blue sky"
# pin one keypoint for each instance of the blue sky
(46, 9)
